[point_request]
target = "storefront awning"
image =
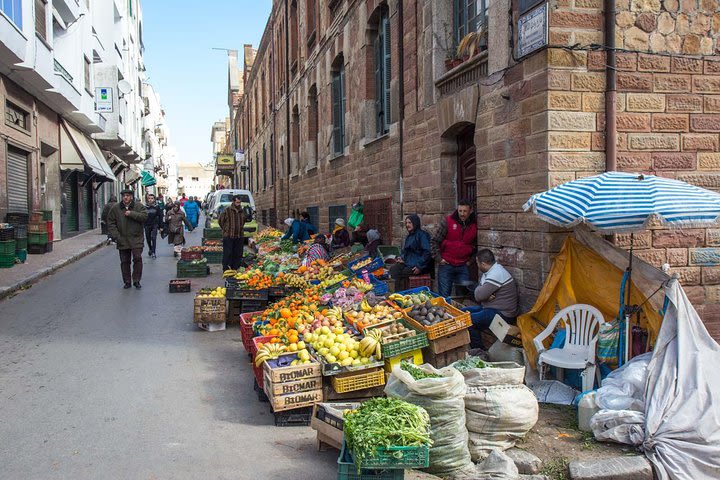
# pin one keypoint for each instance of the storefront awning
(116, 163)
(131, 176)
(147, 179)
(80, 151)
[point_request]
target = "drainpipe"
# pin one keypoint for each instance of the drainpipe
(273, 138)
(401, 98)
(610, 89)
(287, 101)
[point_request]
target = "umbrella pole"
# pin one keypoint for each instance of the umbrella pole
(626, 309)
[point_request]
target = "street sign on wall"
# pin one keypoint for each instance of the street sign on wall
(103, 100)
(533, 30)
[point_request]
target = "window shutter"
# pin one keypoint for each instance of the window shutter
(342, 108)
(379, 84)
(386, 71)
(40, 20)
(336, 113)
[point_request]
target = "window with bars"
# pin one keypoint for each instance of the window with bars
(468, 16)
(335, 212)
(338, 106)
(16, 116)
(264, 167)
(382, 74)
(13, 10)
(377, 214)
(41, 19)
(313, 122)
(314, 213)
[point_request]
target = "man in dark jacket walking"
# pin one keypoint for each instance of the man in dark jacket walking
(232, 223)
(154, 222)
(125, 224)
(104, 215)
(453, 246)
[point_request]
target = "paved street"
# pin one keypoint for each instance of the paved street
(97, 382)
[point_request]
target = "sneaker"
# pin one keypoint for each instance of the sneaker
(127, 285)
(154, 255)
(137, 285)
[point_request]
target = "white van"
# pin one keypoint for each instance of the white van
(219, 199)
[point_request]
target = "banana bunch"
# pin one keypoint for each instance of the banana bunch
(372, 344)
(325, 273)
(268, 351)
(365, 306)
(229, 273)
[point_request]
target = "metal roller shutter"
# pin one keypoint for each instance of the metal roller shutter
(71, 205)
(17, 180)
(86, 208)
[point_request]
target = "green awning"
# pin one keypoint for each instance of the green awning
(147, 179)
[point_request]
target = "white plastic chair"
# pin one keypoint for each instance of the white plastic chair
(582, 325)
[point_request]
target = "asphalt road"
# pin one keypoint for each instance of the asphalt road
(98, 382)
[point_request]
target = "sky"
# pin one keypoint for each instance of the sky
(189, 76)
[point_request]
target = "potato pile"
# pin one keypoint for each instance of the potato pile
(428, 315)
(396, 331)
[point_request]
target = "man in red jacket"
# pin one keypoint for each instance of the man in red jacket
(453, 246)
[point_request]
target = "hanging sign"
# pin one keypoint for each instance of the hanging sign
(103, 100)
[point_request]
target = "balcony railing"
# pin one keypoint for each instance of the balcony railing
(61, 70)
(467, 73)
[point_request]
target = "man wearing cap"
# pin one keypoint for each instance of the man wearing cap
(232, 223)
(126, 221)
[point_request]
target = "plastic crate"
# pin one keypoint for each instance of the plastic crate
(380, 288)
(37, 238)
(212, 234)
(350, 382)
(252, 305)
(235, 293)
(16, 218)
(21, 255)
(299, 417)
(404, 345)
(36, 217)
(7, 247)
(260, 392)
(387, 250)
(246, 329)
(190, 255)
(459, 321)
(40, 227)
(415, 281)
(47, 214)
(34, 249)
(21, 244)
(179, 286)
(348, 471)
(415, 357)
(20, 232)
(7, 261)
(187, 269)
(371, 267)
(209, 310)
(213, 257)
(7, 233)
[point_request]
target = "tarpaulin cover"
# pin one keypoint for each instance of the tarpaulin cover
(682, 401)
(589, 270)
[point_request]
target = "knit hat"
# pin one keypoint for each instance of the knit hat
(289, 221)
(373, 235)
(340, 222)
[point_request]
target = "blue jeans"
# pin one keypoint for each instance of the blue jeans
(481, 320)
(448, 275)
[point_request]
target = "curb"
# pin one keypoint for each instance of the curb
(39, 275)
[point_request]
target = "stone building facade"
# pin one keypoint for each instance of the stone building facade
(495, 127)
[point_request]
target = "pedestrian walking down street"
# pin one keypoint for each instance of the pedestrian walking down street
(176, 221)
(232, 223)
(125, 225)
(104, 215)
(454, 245)
(192, 211)
(154, 222)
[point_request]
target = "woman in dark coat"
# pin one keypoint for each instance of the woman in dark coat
(175, 221)
(416, 257)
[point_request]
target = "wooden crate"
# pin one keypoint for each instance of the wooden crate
(209, 310)
(234, 310)
(286, 388)
(295, 400)
(290, 373)
(444, 359)
(450, 342)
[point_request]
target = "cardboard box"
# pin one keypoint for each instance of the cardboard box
(295, 400)
(505, 332)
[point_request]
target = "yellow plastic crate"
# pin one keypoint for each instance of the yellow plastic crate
(350, 382)
(414, 356)
(459, 321)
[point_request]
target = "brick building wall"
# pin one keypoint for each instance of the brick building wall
(535, 123)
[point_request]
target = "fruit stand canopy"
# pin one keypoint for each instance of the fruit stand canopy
(589, 270)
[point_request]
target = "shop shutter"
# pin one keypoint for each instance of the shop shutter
(337, 114)
(17, 180)
(86, 207)
(71, 203)
(385, 25)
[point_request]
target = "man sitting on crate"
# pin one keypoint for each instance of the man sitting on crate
(497, 294)
(232, 223)
(126, 225)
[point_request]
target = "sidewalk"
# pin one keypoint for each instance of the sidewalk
(38, 266)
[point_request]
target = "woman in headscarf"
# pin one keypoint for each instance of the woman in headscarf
(297, 230)
(416, 258)
(374, 240)
(192, 211)
(340, 235)
(175, 220)
(318, 250)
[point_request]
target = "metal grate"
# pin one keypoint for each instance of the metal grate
(378, 215)
(314, 213)
(273, 217)
(335, 212)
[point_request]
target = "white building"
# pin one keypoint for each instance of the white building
(155, 140)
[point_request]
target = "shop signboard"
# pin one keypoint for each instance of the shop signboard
(225, 163)
(103, 100)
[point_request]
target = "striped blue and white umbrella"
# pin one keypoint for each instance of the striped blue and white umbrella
(615, 202)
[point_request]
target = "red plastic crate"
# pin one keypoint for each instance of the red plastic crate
(246, 330)
(415, 281)
(258, 370)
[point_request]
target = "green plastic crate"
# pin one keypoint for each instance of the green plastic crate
(21, 255)
(47, 214)
(213, 257)
(404, 345)
(7, 247)
(387, 250)
(21, 244)
(348, 471)
(7, 261)
(212, 233)
(188, 269)
(37, 238)
(399, 457)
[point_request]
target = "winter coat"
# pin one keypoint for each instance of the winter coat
(175, 222)
(155, 215)
(298, 231)
(341, 238)
(192, 211)
(105, 211)
(127, 231)
(232, 222)
(416, 249)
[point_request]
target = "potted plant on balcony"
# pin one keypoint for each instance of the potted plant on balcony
(472, 44)
(449, 47)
